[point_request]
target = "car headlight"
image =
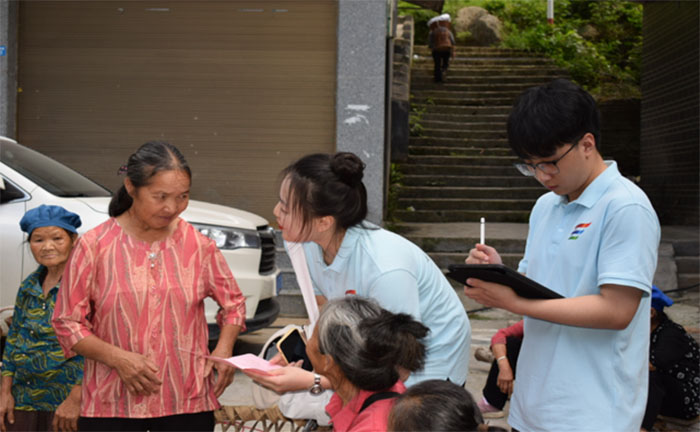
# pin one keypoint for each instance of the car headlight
(230, 238)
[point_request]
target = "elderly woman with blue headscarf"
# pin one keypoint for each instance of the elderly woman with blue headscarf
(674, 367)
(40, 387)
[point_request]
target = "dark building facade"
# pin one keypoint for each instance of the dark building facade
(670, 110)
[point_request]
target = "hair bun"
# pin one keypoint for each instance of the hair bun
(348, 167)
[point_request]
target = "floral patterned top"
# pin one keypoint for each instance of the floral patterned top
(676, 354)
(42, 376)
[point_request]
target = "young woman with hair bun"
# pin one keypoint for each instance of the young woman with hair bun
(323, 205)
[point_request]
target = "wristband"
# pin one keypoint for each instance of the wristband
(500, 358)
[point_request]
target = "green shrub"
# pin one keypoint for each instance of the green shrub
(607, 61)
(598, 42)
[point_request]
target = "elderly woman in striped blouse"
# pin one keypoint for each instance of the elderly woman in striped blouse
(133, 306)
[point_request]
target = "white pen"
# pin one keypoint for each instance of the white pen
(482, 231)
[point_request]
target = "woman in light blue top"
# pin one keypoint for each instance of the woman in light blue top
(323, 204)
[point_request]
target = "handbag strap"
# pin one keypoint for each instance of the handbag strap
(301, 270)
(377, 397)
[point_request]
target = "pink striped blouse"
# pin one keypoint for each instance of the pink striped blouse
(149, 299)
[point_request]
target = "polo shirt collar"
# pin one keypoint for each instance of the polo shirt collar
(596, 189)
(347, 246)
(350, 239)
(343, 416)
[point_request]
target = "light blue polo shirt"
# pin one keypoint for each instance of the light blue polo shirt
(388, 268)
(580, 379)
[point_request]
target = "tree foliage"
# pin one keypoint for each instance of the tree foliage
(598, 42)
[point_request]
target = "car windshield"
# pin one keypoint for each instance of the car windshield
(48, 174)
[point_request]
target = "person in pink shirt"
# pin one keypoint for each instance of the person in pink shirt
(361, 349)
(132, 303)
(505, 346)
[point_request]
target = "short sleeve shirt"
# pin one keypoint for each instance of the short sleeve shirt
(42, 377)
(575, 378)
(148, 299)
(378, 264)
(351, 416)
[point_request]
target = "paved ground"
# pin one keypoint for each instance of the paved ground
(686, 311)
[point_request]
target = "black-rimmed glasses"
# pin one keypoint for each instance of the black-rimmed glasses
(549, 167)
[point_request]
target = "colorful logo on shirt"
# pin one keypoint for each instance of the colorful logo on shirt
(580, 228)
(350, 292)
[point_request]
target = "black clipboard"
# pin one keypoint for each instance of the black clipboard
(498, 273)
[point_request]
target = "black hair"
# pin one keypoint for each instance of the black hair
(150, 159)
(369, 343)
(324, 184)
(437, 405)
(546, 117)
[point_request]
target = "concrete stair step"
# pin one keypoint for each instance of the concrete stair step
(450, 204)
(688, 264)
(424, 80)
(445, 259)
(458, 151)
(465, 132)
(468, 181)
(444, 171)
(423, 50)
(432, 108)
(495, 120)
(531, 193)
(488, 61)
(463, 125)
(426, 71)
(462, 215)
(687, 247)
(500, 143)
(453, 160)
(440, 94)
(686, 280)
(428, 85)
(467, 101)
(461, 236)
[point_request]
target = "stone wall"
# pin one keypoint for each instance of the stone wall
(401, 88)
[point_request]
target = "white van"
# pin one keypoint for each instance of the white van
(29, 179)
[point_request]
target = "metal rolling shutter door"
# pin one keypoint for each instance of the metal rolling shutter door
(242, 88)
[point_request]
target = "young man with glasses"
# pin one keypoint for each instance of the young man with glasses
(593, 239)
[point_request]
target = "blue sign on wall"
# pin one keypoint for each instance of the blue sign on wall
(3, 50)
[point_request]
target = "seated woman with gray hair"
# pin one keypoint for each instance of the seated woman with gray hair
(360, 348)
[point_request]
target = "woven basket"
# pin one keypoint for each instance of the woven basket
(248, 418)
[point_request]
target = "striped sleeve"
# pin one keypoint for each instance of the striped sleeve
(224, 289)
(73, 300)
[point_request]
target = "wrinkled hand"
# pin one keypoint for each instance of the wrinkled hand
(224, 372)
(483, 254)
(492, 294)
(505, 378)
(138, 373)
(7, 408)
(288, 378)
(66, 416)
